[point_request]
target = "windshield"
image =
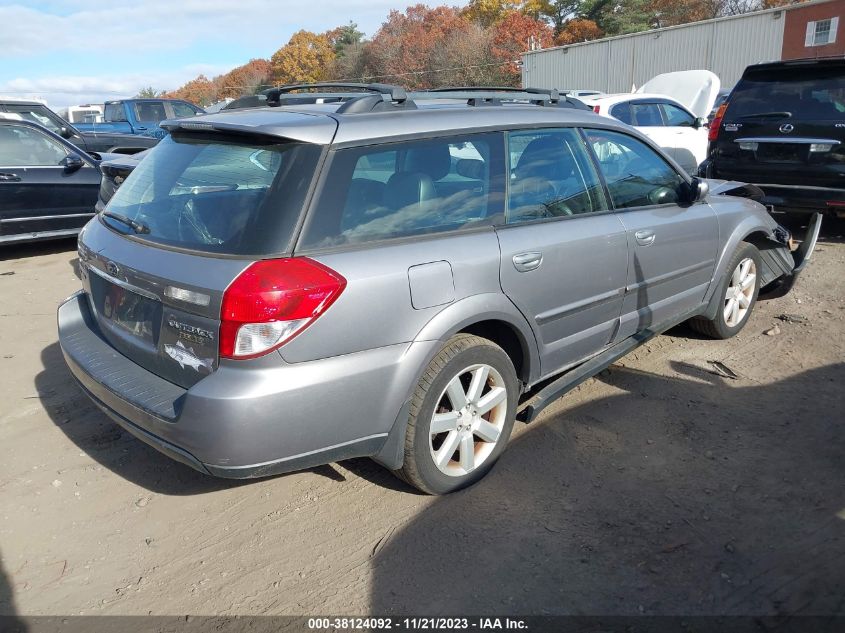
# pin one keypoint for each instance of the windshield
(220, 194)
(798, 92)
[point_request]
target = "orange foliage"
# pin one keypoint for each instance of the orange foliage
(578, 30)
(512, 36)
(404, 47)
(243, 80)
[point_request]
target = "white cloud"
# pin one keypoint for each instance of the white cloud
(166, 25)
(61, 91)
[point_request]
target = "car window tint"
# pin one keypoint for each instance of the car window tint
(806, 93)
(622, 111)
(37, 115)
(677, 117)
(636, 175)
(114, 113)
(406, 189)
(24, 147)
(152, 111)
(646, 114)
(182, 109)
(230, 195)
(551, 175)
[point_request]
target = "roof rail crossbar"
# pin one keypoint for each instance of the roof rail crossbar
(396, 93)
(552, 94)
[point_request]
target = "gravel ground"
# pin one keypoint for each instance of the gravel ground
(660, 487)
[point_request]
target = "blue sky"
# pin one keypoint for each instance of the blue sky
(82, 51)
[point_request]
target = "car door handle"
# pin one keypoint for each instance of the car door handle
(525, 262)
(140, 128)
(9, 178)
(645, 238)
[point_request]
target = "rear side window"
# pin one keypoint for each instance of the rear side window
(622, 111)
(406, 189)
(646, 114)
(114, 113)
(804, 93)
(36, 114)
(551, 175)
(221, 194)
(152, 111)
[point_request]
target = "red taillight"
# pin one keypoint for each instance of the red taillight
(272, 301)
(596, 109)
(716, 123)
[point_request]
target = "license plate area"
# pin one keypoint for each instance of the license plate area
(782, 153)
(127, 311)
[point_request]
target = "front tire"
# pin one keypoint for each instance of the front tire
(461, 416)
(738, 292)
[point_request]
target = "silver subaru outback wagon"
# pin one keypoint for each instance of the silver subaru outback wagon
(390, 275)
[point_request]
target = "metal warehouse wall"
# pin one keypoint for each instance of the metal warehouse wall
(725, 46)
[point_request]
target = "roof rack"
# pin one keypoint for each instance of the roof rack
(374, 96)
(495, 95)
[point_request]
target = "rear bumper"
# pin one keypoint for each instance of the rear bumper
(245, 420)
(801, 199)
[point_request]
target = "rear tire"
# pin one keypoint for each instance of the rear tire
(461, 416)
(738, 292)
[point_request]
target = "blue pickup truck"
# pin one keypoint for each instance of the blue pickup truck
(140, 116)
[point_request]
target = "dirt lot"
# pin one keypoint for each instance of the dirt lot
(659, 487)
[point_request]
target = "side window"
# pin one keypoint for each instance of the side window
(677, 117)
(646, 114)
(36, 115)
(405, 189)
(182, 109)
(114, 113)
(551, 175)
(636, 175)
(150, 111)
(25, 147)
(622, 111)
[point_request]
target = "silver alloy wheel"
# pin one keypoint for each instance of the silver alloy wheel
(740, 292)
(468, 420)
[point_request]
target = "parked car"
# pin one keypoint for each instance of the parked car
(581, 93)
(140, 116)
(670, 109)
(48, 187)
(283, 287)
(89, 142)
(114, 173)
(783, 129)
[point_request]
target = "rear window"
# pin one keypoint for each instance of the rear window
(406, 189)
(219, 194)
(804, 92)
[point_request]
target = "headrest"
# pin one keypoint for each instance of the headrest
(408, 188)
(433, 160)
(545, 157)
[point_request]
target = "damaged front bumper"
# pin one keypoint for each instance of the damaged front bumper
(781, 267)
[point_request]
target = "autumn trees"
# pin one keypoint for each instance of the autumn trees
(479, 44)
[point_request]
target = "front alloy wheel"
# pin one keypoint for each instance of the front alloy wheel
(740, 292)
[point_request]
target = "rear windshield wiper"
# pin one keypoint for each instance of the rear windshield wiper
(138, 227)
(767, 115)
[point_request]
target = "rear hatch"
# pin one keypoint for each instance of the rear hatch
(785, 124)
(186, 222)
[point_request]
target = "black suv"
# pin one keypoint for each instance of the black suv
(783, 129)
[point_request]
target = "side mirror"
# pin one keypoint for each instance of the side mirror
(71, 163)
(700, 122)
(65, 132)
(701, 189)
